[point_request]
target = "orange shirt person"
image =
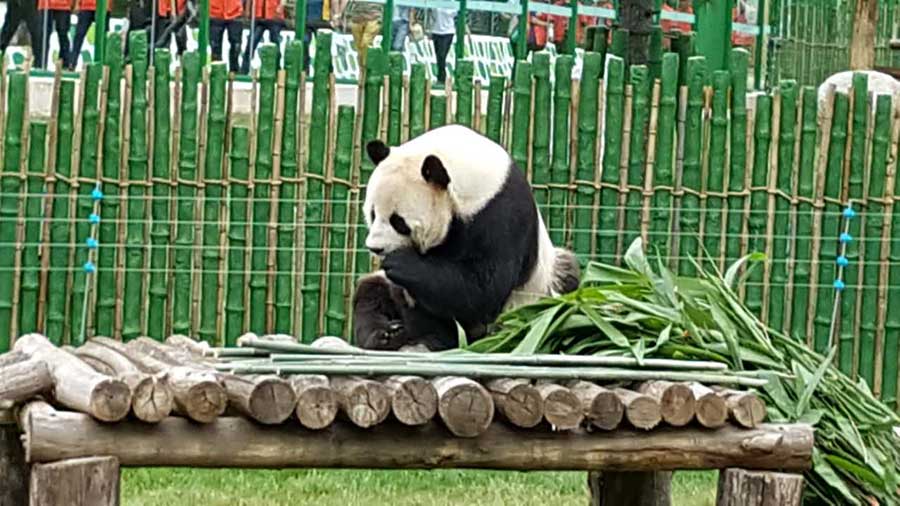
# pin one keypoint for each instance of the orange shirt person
(269, 17)
(55, 14)
(225, 17)
(166, 15)
(86, 15)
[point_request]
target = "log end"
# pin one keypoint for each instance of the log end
(317, 407)
(272, 401)
(711, 411)
(747, 410)
(110, 400)
(414, 401)
(465, 407)
(606, 411)
(204, 401)
(677, 405)
(643, 412)
(562, 409)
(367, 403)
(151, 399)
(522, 406)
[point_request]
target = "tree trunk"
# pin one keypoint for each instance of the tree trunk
(637, 18)
(752, 488)
(13, 469)
(862, 45)
(92, 481)
(631, 488)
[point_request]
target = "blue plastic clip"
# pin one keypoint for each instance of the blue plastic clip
(94, 219)
(92, 243)
(89, 267)
(843, 261)
(839, 285)
(849, 213)
(845, 237)
(97, 194)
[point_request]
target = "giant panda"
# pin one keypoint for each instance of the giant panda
(460, 239)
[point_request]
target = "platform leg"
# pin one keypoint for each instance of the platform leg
(13, 469)
(92, 481)
(738, 487)
(631, 488)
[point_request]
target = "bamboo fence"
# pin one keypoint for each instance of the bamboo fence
(212, 223)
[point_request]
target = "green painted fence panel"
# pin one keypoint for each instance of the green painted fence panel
(759, 177)
(559, 170)
(417, 98)
(585, 168)
(32, 211)
(160, 227)
(540, 142)
(664, 174)
(641, 86)
(521, 115)
(738, 152)
(10, 196)
(609, 195)
(805, 215)
(689, 220)
(238, 207)
(338, 259)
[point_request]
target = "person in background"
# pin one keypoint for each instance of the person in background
(86, 10)
(403, 18)
(19, 12)
(224, 16)
(684, 7)
(741, 39)
(560, 25)
(317, 16)
(363, 20)
(269, 17)
(55, 14)
(538, 24)
(443, 27)
(167, 22)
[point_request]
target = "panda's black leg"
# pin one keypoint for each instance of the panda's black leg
(377, 318)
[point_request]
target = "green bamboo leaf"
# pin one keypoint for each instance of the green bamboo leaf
(857, 470)
(597, 273)
(827, 473)
(811, 386)
(634, 258)
(461, 338)
(812, 417)
(614, 335)
(732, 271)
(537, 332)
(662, 339)
(729, 333)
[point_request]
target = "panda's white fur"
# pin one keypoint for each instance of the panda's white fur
(477, 167)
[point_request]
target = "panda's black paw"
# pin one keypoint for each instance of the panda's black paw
(391, 337)
(402, 267)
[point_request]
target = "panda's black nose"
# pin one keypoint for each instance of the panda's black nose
(376, 251)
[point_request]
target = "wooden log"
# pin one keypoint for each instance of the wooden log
(23, 380)
(602, 408)
(562, 408)
(13, 468)
(738, 487)
(267, 399)
(642, 411)
(198, 348)
(465, 407)
(76, 384)
(744, 408)
(634, 488)
(197, 394)
(676, 401)
(238, 442)
(317, 403)
(151, 397)
(517, 401)
(362, 401)
(97, 365)
(90, 481)
(12, 357)
(414, 399)
(711, 411)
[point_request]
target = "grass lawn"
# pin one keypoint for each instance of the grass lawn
(204, 487)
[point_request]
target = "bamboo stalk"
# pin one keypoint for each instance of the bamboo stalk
(160, 207)
(715, 181)
(689, 219)
(395, 98)
(586, 192)
(805, 213)
(338, 262)
(521, 114)
(756, 223)
(417, 99)
(464, 71)
(663, 175)
(32, 211)
(740, 148)
(641, 90)
(559, 169)
(239, 192)
(612, 153)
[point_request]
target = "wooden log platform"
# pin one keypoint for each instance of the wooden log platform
(51, 435)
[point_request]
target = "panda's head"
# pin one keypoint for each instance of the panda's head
(419, 187)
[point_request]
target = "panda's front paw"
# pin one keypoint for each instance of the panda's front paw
(402, 267)
(391, 337)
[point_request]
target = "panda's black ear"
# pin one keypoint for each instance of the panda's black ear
(434, 172)
(377, 151)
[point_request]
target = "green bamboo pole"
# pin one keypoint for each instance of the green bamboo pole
(849, 337)
(10, 188)
(601, 45)
(461, 24)
(417, 100)
(781, 229)
(559, 171)
(462, 83)
(874, 227)
(133, 301)
(685, 52)
(540, 143)
(375, 69)
(805, 213)
(100, 20)
(315, 187)
(585, 168)
(60, 232)
(892, 320)
(239, 195)
(697, 72)
(619, 45)
(715, 180)
(663, 177)
(828, 250)
(203, 32)
(212, 202)
(756, 224)
(87, 171)
(521, 44)
(738, 162)
(284, 256)
(336, 313)
(496, 90)
(387, 18)
(395, 113)
(438, 111)
(262, 187)
(655, 53)
(615, 105)
(107, 295)
(162, 194)
(182, 258)
(641, 86)
(32, 209)
(521, 116)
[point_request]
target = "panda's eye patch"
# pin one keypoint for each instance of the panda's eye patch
(399, 224)
(372, 214)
